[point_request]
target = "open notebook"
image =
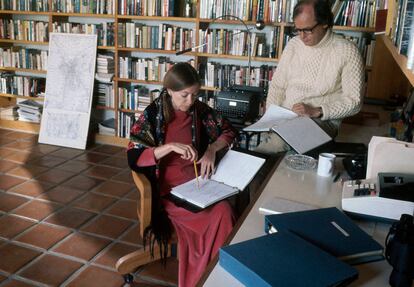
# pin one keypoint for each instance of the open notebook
(233, 173)
(301, 133)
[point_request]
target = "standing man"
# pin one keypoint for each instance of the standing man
(320, 74)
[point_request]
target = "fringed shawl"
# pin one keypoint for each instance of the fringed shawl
(149, 131)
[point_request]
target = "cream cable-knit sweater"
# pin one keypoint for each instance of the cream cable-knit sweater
(328, 75)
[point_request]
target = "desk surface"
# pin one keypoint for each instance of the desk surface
(305, 187)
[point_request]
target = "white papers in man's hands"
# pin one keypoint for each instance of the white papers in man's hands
(302, 134)
(210, 192)
(272, 115)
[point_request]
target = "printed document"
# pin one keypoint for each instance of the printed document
(302, 133)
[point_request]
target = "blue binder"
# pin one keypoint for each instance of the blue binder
(284, 259)
(330, 230)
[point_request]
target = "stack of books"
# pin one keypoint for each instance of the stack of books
(30, 111)
(107, 127)
(300, 245)
(105, 69)
(9, 113)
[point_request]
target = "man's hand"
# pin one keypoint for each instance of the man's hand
(307, 111)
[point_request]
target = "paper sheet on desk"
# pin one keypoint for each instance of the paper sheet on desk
(389, 155)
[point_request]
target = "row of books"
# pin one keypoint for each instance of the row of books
(219, 75)
(125, 123)
(105, 95)
(364, 43)
(25, 5)
(105, 30)
(163, 36)
(24, 30)
(84, 6)
(247, 10)
(355, 13)
(22, 85)
(149, 69)
(136, 97)
(22, 58)
(233, 42)
(403, 29)
(164, 8)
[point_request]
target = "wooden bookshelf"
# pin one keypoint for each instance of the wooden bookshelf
(21, 97)
(32, 71)
(194, 23)
(389, 75)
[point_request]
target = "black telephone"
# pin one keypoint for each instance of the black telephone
(356, 165)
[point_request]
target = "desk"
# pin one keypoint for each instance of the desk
(305, 187)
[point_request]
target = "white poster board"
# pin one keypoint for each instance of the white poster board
(69, 90)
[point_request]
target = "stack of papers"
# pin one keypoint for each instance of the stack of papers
(30, 111)
(301, 133)
(107, 127)
(234, 173)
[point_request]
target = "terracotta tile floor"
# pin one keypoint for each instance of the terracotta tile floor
(67, 215)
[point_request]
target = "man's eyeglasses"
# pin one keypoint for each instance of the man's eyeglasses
(306, 31)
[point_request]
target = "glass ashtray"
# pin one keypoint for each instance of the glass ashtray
(300, 162)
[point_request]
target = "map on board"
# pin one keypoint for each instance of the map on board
(69, 90)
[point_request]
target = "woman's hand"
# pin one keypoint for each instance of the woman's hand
(306, 110)
(207, 162)
(187, 152)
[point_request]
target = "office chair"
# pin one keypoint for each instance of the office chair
(130, 262)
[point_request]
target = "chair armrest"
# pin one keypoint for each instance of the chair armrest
(144, 208)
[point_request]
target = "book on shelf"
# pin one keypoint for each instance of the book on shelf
(225, 182)
(301, 133)
(284, 259)
(330, 230)
(107, 127)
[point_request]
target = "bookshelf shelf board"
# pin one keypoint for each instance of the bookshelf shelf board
(399, 59)
(158, 51)
(23, 12)
(354, 29)
(213, 89)
(131, 111)
(64, 14)
(138, 81)
(19, 125)
(99, 107)
(156, 18)
(243, 58)
(21, 97)
(106, 47)
(11, 69)
(111, 140)
(23, 42)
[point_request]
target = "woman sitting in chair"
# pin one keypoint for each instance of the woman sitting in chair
(173, 132)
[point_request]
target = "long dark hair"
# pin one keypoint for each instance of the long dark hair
(179, 77)
(322, 8)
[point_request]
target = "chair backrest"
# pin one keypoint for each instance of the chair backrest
(144, 205)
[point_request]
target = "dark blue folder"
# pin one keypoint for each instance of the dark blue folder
(284, 259)
(331, 230)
